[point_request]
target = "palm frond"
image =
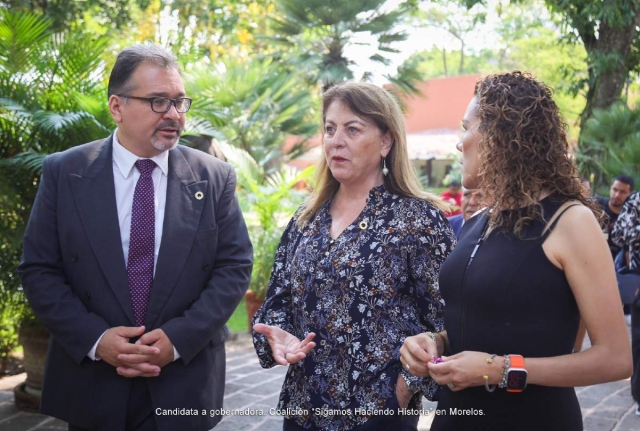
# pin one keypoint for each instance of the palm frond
(249, 171)
(29, 161)
(200, 126)
(610, 144)
(21, 37)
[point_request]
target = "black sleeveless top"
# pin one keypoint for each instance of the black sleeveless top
(509, 300)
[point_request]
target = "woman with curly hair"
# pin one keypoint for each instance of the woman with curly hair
(524, 271)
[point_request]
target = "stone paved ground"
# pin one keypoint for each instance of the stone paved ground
(606, 407)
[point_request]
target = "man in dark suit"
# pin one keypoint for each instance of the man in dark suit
(135, 256)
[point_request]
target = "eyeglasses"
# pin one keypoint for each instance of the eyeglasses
(163, 104)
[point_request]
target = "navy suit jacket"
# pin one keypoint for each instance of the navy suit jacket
(456, 222)
(74, 276)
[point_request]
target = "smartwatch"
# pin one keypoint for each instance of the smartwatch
(516, 374)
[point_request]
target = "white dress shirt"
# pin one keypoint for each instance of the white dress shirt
(125, 178)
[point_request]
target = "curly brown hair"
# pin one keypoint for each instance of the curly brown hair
(523, 150)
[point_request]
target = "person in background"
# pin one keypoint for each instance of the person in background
(453, 196)
(135, 256)
(626, 233)
(521, 275)
(620, 190)
(471, 201)
(356, 272)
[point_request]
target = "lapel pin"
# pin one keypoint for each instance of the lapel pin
(364, 225)
(199, 195)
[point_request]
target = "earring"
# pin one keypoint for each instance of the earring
(385, 171)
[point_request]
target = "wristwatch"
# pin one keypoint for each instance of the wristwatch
(516, 374)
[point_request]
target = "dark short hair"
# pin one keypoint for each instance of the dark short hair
(627, 180)
(454, 183)
(130, 58)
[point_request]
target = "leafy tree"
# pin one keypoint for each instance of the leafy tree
(527, 40)
(45, 80)
(314, 34)
(254, 106)
(211, 29)
(268, 202)
(64, 13)
(608, 30)
(11, 305)
(611, 145)
(455, 20)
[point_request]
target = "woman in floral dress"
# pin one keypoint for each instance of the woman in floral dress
(356, 272)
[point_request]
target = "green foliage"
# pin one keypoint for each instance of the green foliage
(528, 40)
(453, 18)
(46, 79)
(239, 322)
(454, 174)
(437, 62)
(268, 201)
(64, 13)
(608, 30)
(214, 30)
(254, 106)
(611, 145)
(313, 34)
(12, 308)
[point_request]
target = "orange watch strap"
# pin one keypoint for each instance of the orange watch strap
(517, 361)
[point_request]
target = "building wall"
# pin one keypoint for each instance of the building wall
(443, 105)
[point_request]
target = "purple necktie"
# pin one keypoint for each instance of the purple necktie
(142, 241)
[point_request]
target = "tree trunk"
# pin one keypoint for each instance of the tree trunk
(610, 70)
(444, 61)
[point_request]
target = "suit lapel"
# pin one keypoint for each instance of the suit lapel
(181, 220)
(95, 197)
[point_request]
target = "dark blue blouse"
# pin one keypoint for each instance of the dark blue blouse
(362, 294)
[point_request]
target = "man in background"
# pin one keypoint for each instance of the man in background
(471, 201)
(620, 190)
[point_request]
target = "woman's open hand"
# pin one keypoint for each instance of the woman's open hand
(285, 347)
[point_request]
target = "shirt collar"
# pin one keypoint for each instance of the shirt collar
(125, 159)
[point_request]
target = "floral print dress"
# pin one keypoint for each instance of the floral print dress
(362, 294)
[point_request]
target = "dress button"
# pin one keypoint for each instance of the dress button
(74, 257)
(326, 253)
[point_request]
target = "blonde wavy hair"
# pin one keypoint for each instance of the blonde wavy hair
(523, 149)
(379, 106)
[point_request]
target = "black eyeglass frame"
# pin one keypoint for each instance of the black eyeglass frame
(152, 99)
